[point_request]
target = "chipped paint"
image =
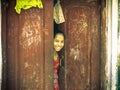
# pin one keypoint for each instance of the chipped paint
(28, 36)
(30, 42)
(30, 33)
(78, 62)
(75, 52)
(30, 75)
(26, 64)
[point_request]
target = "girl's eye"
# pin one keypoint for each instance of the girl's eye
(62, 41)
(56, 41)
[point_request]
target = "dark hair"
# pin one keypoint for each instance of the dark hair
(57, 31)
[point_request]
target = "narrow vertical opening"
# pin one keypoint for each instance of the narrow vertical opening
(61, 70)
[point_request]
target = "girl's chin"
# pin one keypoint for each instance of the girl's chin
(57, 49)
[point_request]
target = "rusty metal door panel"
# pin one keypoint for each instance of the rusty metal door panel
(11, 48)
(48, 44)
(82, 45)
(78, 61)
(25, 50)
(28, 48)
(31, 57)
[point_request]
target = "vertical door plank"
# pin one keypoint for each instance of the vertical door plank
(11, 46)
(30, 50)
(48, 44)
(78, 61)
(82, 44)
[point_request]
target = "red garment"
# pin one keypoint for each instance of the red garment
(56, 67)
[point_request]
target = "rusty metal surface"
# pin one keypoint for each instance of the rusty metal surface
(82, 45)
(103, 45)
(3, 34)
(29, 43)
(11, 47)
(29, 48)
(78, 61)
(95, 46)
(48, 44)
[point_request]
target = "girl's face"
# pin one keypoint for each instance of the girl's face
(58, 42)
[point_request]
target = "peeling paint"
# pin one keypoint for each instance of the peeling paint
(28, 36)
(75, 52)
(26, 64)
(30, 33)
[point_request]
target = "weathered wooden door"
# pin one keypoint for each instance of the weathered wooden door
(82, 50)
(27, 46)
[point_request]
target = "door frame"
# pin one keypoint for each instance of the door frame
(112, 31)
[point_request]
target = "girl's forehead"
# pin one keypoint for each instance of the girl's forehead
(59, 34)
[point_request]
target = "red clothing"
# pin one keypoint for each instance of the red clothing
(56, 67)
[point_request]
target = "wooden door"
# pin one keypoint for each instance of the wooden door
(27, 44)
(82, 47)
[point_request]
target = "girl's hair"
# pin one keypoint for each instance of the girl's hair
(57, 31)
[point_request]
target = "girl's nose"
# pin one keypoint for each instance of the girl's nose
(59, 44)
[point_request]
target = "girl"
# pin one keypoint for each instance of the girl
(58, 45)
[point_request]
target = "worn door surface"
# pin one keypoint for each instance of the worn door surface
(82, 55)
(27, 44)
